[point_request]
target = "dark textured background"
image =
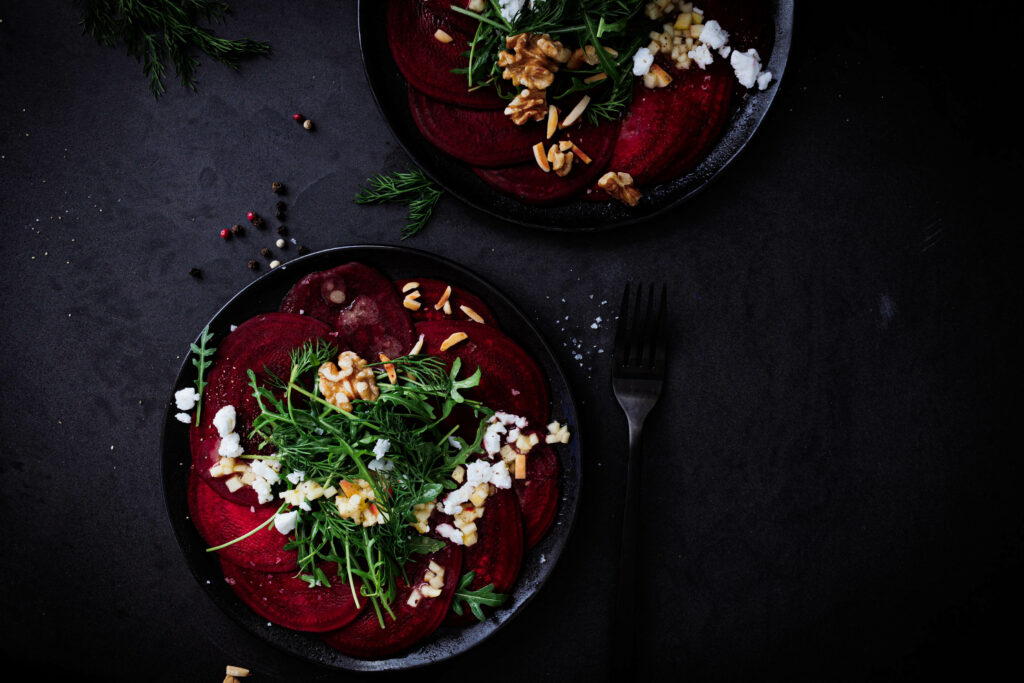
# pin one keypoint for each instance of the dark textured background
(831, 485)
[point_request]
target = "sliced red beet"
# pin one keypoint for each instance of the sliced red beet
(662, 122)
(538, 493)
(365, 638)
(261, 344)
(287, 600)
(219, 521)
(481, 137)
(360, 304)
(426, 62)
(498, 553)
(530, 184)
(706, 112)
(431, 292)
(511, 380)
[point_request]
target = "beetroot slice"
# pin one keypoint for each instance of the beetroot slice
(430, 293)
(288, 601)
(511, 380)
(426, 62)
(365, 310)
(498, 553)
(706, 111)
(260, 344)
(481, 137)
(538, 493)
(530, 184)
(364, 638)
(219, 521)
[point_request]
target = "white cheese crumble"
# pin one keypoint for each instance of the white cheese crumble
(451, 533)
(266, 470)
(262, 489)
(763, 79)
(378, 465)
(295, 477)
(184, 418)
(381, 448)
(747, 66)
(500, 476)
(455, 443)
(701, 56)
(724, 51)
(642, 61)
(492, 438)
(510, 8)
(477, 473)
(185, 399)
(284, 522)
(224, 420)
(230, 446)
(713, 35)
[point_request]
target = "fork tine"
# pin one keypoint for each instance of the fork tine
(621, 334)
(646, 357)
(661, 333)
(636, 338)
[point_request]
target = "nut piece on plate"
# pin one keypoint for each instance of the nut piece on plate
(620, 186)
(529, 105)
(534, 61)
(560, 160)
(348, 380)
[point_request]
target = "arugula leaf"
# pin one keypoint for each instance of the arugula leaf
(202, 362)
(478, 599)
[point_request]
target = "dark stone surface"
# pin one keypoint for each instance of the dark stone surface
(828, 489)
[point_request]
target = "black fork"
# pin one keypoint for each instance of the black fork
(637, 377)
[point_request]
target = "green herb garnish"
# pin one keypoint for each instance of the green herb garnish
(411, 188)
(306, 433)
(476, 600)
(202, 362)
(154, 31)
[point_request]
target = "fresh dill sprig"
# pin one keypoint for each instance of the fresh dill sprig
(411, 188)
(155, 31)
(476, 600)
(203, 355)
(308, 434)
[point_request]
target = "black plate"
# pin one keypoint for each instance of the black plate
(389, 89)
(265, 295)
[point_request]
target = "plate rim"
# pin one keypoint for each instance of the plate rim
(706, 172)
(568, 501)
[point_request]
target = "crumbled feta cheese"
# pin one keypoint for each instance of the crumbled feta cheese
(284, 522)
(184, 418)
(450, 532)
(747, 66)
(304, 504)
(186, 398)
(454, 500)
(455, 443)
(380, 465)
(724, 51)
(492, 438)
(477, 472)
(713, 35)
(224, 420)
(642, 61)
(295, 477)
(500, 476)
(262, 489)
(510, 8)
(508, 419)
(262, 469)
(702, 58)
(381, 448)
(763, 79)
(230, 446)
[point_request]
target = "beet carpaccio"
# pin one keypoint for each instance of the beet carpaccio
(372, 461)
(553, 100)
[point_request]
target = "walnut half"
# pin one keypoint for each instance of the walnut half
(348, 380)
(529, 105)
(533, 60)
(620, 186)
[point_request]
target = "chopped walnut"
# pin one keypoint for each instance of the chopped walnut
(620, 186)
(560, 160)
(528, 105)
(348, 380)
(534, 61)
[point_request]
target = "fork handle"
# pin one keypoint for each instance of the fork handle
(624, 619)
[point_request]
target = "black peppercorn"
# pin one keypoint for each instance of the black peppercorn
(302, 250)
(258, 222)
(237, 229)
(253, 265)
(282, 230)
(195, 272)
(264, 252)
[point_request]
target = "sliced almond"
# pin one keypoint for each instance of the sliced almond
(237, 671)
(409, 285)
(595, 78)
(580, 154)
(453, 339)
(389, 368)
(414, 295)
(564, 146)
(520, 466)
(414, 598)
(573, 116)
(442, 36)
(444, 298)
(447, 308)
(541, 156)
(552, 121)
(411, 303)
(417, 347)
(473, 315)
